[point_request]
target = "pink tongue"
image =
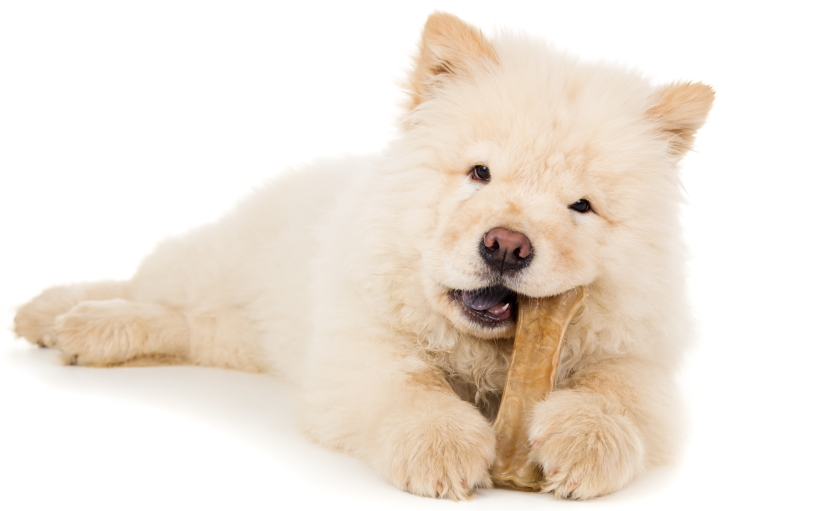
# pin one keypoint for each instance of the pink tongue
(500, 311)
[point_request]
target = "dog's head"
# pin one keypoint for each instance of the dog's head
(547, 173)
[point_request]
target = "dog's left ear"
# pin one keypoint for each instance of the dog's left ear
(680, 109)
(449, 49)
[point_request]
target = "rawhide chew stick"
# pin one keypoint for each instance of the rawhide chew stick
(540, 330)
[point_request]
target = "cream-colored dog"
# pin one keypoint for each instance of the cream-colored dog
(386, 287)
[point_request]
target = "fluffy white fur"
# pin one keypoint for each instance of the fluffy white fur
(339, 277)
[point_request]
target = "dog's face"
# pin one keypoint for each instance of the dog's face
(551, 173)
(513, 220)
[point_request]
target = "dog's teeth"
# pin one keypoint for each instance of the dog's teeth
(506, 306)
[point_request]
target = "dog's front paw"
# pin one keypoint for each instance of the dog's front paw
(585, 445)
(443, 454)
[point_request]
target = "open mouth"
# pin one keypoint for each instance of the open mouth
(489, 306)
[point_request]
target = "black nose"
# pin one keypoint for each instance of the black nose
(504, 249)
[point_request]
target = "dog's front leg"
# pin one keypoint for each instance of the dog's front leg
(398, 414)
(602, 427)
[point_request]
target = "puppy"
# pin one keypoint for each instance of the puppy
(387, 287)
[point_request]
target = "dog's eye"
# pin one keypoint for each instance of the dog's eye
(581, 205)
(480, 173)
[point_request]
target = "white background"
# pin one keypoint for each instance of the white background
(124, 122)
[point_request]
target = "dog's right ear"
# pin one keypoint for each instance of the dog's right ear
(679, 110)
(449, 48)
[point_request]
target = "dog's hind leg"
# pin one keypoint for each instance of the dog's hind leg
(123, 332)
(97, 324)
(35, 320)
(111, 332)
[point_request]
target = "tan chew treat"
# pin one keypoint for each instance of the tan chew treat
(540, 331)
